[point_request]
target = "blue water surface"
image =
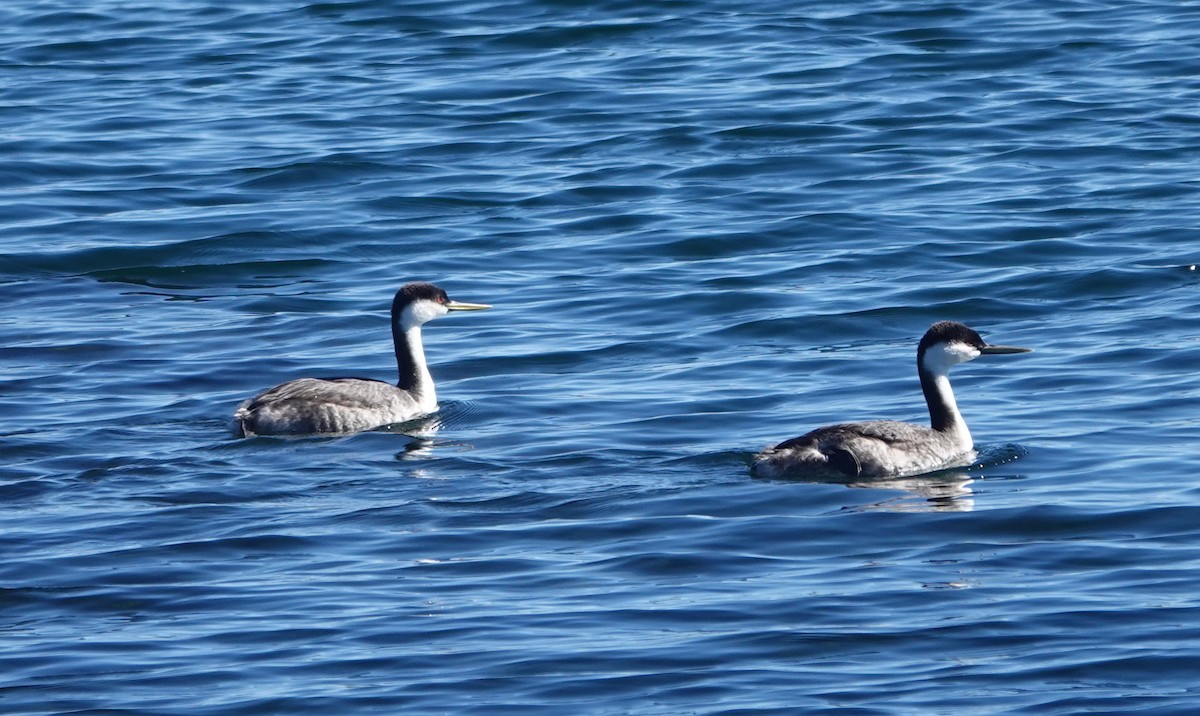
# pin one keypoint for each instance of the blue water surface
(705, 228)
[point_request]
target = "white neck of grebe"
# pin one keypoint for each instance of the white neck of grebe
(943, 408)
(933, 365)
(410, 362)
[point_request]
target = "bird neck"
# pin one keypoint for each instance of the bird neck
(410, 363)
(943, 410)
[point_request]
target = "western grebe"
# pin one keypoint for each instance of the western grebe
(348, 405)
(887, 448)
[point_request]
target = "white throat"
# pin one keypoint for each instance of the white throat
(423, 392)
(935, 382)
(415, 315)
(956, 427)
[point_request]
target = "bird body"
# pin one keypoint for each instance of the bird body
(328, 405)
(876, 448)
(348, 405)
(888, 448)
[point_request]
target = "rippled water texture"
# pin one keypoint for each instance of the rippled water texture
(705, 229)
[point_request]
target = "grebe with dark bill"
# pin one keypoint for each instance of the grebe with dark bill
(349, 405)
(888, 448)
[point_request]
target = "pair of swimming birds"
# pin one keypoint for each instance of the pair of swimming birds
(878, 448)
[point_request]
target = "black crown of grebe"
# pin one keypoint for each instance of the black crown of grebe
(887, 448)
(348, 405)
